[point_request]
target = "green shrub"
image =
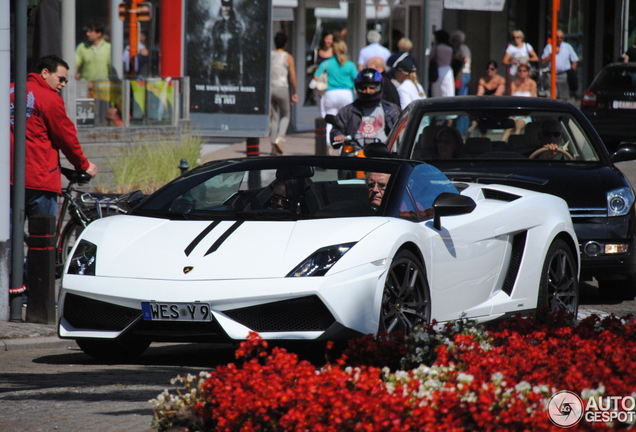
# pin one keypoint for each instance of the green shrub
(148, 166)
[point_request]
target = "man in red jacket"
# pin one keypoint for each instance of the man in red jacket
(48, 130)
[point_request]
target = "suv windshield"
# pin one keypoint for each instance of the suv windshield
(510, 134)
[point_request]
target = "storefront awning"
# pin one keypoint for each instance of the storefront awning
(481, 5)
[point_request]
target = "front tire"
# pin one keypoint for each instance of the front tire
(559, 285)
(406, 300)
(113, 349)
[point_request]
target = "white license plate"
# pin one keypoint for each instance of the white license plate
(155, 311)
(623, 105)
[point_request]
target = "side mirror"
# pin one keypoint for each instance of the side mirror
(625, 152)
(376, 149)
(450, 204)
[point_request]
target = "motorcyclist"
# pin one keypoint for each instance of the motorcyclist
(369, 116)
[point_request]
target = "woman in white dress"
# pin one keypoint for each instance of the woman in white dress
(443, 53)
(409, 89)
(518, 52)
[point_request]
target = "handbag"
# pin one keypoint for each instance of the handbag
(433, 73)
(321, 83)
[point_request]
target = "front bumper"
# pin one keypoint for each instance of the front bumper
(310, 308)
(602, 231)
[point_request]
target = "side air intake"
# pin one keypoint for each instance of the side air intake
(499, 195)
(518, 245)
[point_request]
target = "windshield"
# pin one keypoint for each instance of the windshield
(283, 193)
(498, 134)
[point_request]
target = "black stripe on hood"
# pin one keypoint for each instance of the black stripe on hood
(200, 237)
(224, 237)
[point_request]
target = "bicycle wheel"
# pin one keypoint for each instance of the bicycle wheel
(70, 233)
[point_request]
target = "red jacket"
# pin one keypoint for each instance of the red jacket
(48, 130)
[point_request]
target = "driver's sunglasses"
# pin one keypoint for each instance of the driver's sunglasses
(555, 134)
(275, 199)
(372, 185)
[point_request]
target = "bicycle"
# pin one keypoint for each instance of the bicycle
(79, 208)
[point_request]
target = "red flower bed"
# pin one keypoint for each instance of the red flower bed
(496, 379)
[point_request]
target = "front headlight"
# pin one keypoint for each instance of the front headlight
(318, 263)
(619, 201)
(83, 259)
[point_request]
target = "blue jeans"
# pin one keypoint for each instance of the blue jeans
(37, 201)
(463, 90)
(463, 122)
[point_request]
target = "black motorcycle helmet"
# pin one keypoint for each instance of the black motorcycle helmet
(365, 77)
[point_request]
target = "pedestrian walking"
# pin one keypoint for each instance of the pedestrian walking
(404, 45)
(443, 54)
(462, 57)
(410, 89)
(517, 52)
(341, 73)
(566, 60)
(374, 49)
(92, 58)
(283, 73)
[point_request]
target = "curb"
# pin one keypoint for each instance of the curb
(36, 342)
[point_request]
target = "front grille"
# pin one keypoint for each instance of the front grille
(590, 212)
(86, 313)
(518, 244)
(499, 195)
(301, 314)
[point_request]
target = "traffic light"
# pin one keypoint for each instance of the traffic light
(142, 11)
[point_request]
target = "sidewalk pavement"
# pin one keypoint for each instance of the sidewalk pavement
(25, 335)
(303, 143)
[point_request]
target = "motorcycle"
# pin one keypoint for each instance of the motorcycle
(351, 147)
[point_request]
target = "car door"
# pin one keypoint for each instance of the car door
(465, 257)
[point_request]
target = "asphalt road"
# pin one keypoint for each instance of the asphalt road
(65, 390)
(62, 389)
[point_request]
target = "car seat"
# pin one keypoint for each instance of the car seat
(424, 148)
(475, 146)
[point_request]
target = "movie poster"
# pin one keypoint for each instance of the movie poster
(227, 54)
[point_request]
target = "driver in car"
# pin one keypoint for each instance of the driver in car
(279, 199)
(376, 185)
(551, 138)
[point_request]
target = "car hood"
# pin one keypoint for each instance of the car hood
(579, 184)
(142, 247)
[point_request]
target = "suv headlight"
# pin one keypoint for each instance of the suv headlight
(619, 201)
(319, 263)
(83, 259)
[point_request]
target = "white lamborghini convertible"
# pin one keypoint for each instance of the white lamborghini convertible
(313, 248)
